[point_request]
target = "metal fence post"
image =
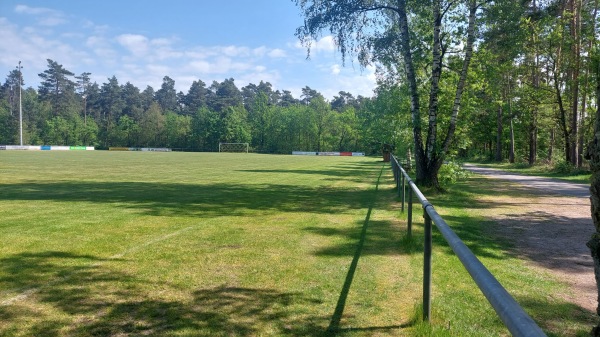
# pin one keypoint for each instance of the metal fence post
(403, 191)
(395, 172)
(409, 220)
(427, 267)
(400, 177)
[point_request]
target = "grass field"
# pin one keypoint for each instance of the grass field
(186, 244)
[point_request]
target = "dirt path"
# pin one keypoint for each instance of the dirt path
(549, 222)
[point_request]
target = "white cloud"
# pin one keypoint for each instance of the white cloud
(233, 51)
(200, 66)
(260, 51)
(159, 69)
(335, 69)
(277, 53)
(101, 47)
(45, 16)
(136, 44)
(357, 83)
(324, 44)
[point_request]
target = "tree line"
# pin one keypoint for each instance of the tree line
(68, 109)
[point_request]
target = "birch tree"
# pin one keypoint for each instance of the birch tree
(380, 31)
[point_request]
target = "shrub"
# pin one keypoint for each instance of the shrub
(450, 173)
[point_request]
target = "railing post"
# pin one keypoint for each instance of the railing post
(427, 267)
(403, 190)
(396, 172)
(409, 220)
(400, 178)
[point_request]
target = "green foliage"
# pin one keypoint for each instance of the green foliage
(450, 173)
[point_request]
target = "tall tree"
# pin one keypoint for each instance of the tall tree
(132, 100)
(226, 94)
(10, 90)
(57, 88)
(378, 30)
(111, 106)
(195, 98)
(166, 96)
(83, 85)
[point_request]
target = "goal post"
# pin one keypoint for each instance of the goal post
(234, 147)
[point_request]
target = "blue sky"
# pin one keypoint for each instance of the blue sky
(143, 41)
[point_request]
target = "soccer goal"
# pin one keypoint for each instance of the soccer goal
(233, 147)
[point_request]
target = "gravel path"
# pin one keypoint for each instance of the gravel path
(548, 185)
(549, 223)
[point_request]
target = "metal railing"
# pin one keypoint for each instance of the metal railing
(510, 312)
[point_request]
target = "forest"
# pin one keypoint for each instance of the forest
(67, 109)
(528, 96)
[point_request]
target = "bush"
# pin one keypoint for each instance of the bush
(563, 166)
(450, 173)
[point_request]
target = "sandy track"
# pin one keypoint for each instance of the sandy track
(549, 223)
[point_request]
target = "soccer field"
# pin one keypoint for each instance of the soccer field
(197, 244)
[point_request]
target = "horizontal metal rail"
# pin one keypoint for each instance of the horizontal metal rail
(518, 322)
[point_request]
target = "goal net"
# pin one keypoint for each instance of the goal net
(233, 147)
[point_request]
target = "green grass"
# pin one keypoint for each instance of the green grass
(184, 244)
(542, 170)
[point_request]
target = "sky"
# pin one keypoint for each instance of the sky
(141, 41)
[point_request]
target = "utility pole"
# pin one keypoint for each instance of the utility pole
(20, 104)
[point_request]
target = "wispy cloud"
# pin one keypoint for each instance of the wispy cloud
(44, 16)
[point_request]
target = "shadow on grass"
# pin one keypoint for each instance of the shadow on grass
(559, 317)
(334, 327)
(80, 297)
(202, 200)
(210, 199)
(353, 172)
(383, 239)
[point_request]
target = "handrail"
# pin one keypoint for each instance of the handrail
(518, 322)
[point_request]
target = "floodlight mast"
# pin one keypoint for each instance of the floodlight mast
(20, 104)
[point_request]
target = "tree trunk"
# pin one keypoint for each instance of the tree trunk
(499, 135)
(511, 153)
(575, 51)
(415, 108)
(436, 72)
(551, 146)
(533, 146)
(463, 75)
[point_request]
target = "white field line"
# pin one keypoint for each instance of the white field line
(28, 292)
